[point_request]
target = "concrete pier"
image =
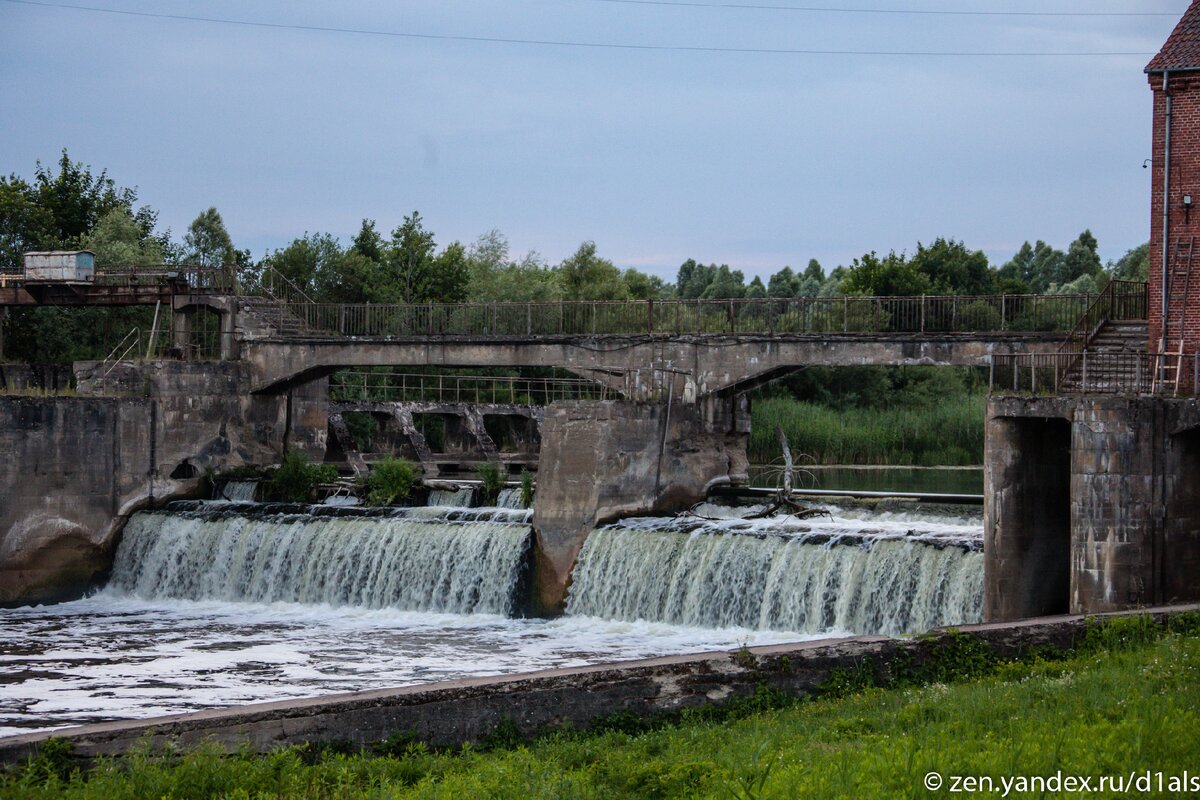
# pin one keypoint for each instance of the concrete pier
(1091, 504)
(601, 461)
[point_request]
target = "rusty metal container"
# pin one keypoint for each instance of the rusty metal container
(61, 266)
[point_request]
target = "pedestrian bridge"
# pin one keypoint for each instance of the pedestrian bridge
(646, 349)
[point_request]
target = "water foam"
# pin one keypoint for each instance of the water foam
(415, 559)
(872, 575)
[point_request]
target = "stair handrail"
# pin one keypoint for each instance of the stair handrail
(1108, 306)
(282, 289)
(136, 336)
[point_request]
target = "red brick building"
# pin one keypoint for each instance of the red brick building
(1175, 236)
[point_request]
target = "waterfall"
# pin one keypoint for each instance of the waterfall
(454, 498)
(509, 498)
(878, 576)
(239, 491)
(412, 559)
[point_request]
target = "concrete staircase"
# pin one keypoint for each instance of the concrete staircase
(1113, 360)
(265, 317)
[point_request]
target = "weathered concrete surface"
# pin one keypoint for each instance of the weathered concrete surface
(76, 467)
(34, 378)
(504, 433)
(710, 363)
(457, 712)
(604, 460)
(1027, 505)
(1134, 487)
(71, 468)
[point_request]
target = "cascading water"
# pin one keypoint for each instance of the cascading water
(453, 498)
(856, 573)
(239, 491)
(412, 559)
(509, 498)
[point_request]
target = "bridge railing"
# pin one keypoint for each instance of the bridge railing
(197, 277)
(1094, 372)
(380, 387)
(805, 315)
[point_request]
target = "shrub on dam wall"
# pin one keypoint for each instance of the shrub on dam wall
(295, 479)
(390, 480)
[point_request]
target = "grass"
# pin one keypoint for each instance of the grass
(947, 433)
(1127, 700)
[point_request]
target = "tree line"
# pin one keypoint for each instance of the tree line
(69, 206)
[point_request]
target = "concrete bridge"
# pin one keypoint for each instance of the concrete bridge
(686, 349)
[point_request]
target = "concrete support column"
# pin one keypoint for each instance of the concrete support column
(181, 331)
(1181, 530)
(600, 461)
(1027, 522)
(229, 347)
(1116, 503)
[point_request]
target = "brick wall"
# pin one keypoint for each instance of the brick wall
(1185, 179)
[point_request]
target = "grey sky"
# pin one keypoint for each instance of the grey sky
(755, 160)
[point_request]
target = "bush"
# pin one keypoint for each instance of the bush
(493, 482)
(526, 488)
(390, 480)
(295, 479)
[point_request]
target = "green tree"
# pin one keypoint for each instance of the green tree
(207, 242)
(756, 290)
(1082, 260)
(784, 283)
(413, 271)
(1133, 266)
(644, 287)
(726, 284)
(308, 262)
(889, 276)
(953, 269)
(586, 276)
(812, 280)
(367, 242)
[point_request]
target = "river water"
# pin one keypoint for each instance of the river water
(217, 604)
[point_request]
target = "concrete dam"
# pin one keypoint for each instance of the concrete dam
(222, 601)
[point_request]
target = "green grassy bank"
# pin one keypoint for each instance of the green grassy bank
(946, 433)
(1126, 700)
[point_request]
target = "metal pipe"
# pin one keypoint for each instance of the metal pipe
(1166, 214)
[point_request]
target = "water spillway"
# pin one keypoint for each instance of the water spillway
(212, 604)
(879, 574)
(411, 559)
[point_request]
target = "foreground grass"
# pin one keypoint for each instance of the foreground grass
(948, 433)
(1129, 700)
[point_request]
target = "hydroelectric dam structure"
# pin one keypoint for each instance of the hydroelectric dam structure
(673, 422)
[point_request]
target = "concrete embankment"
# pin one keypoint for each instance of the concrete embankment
(456, 712)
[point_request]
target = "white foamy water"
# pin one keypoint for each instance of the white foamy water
(870, 573)
(218, 604)
(118, 657)
(416, 560)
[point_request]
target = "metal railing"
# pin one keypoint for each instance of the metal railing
(1094, 372)
(1121, 301)
(410, 387)
(806, 315)
(197, 277)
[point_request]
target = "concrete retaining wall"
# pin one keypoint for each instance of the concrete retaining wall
(74, 468)
(453, 713)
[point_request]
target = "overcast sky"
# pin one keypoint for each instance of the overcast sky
(748, 158)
